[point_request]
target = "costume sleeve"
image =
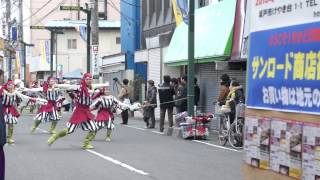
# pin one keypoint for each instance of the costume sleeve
(95, 104)
(27, 98)
(119, 105)
(61, 97)
(68, 87)
(32, 90)
(122, 106)
(95, 86)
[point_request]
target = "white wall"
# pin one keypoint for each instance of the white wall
(107, 42)
(173, 72)
(72, 59)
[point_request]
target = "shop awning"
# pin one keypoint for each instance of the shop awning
(76, 74)
(213, 35)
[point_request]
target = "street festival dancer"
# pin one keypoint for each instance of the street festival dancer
(9, 101)
(48, 112)
(81, 117)
(107, 105)
(32, 105)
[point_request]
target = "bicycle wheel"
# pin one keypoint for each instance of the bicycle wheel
(235, 135)
(223, 130)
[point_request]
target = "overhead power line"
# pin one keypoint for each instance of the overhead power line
(50, 12)
(42, 7)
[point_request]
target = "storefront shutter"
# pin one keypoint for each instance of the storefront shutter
(154, 71)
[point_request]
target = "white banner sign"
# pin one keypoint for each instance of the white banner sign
(95, 60)
(270, 14)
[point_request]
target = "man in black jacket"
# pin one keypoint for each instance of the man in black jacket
(166, 93)
(3, 140)
(151, 103)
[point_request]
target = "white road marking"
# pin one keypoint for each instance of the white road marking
(197, 141)
(42, 130)
(216, 146)
(141, 129)
(116, 162)
(157, 132)
(111, 159)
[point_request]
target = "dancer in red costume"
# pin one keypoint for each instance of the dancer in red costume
(9, 101)
(106, 105)
(81, 117)
(48, 112)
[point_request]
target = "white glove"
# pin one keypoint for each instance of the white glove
(135, 106)
(118, 111)
(41, 101)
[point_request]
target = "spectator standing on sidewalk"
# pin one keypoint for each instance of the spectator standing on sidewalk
(166, 93)
(3, 140)
(174, 84)
(124, 98)
(181, 96)
(224, 89)
(151, 104)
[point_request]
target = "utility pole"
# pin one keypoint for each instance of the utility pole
(191, 60)
(24, 60)
(8, 21)
(95, 35)
(53, 43)
(51, 51)
(106, 9)
(88, 37)
(20, 40)
(78, 13)
(53, 32)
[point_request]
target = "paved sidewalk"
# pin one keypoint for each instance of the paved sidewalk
(137, 122)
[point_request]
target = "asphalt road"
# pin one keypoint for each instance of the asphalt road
(134, 154)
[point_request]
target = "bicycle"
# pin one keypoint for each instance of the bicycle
(235, 134)
(224, 125)
(232, 133)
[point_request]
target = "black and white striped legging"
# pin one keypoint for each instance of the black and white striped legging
(89, 125)
(47, 116)
(10, 119)
(102, 124)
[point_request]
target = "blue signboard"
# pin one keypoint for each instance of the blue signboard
(14, 33)
(284, 69)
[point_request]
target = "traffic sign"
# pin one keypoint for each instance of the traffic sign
(95, 48)
(38, 27)
(71, 8)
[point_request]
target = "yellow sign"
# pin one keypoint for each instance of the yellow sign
(17, 63)
(1, 44)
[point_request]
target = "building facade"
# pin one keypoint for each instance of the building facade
(71, 48)
(43, 12)
(159, 34)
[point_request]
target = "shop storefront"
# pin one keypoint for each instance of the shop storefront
(213, 47)
(113, 67)
(282, 130)
(156, 68)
